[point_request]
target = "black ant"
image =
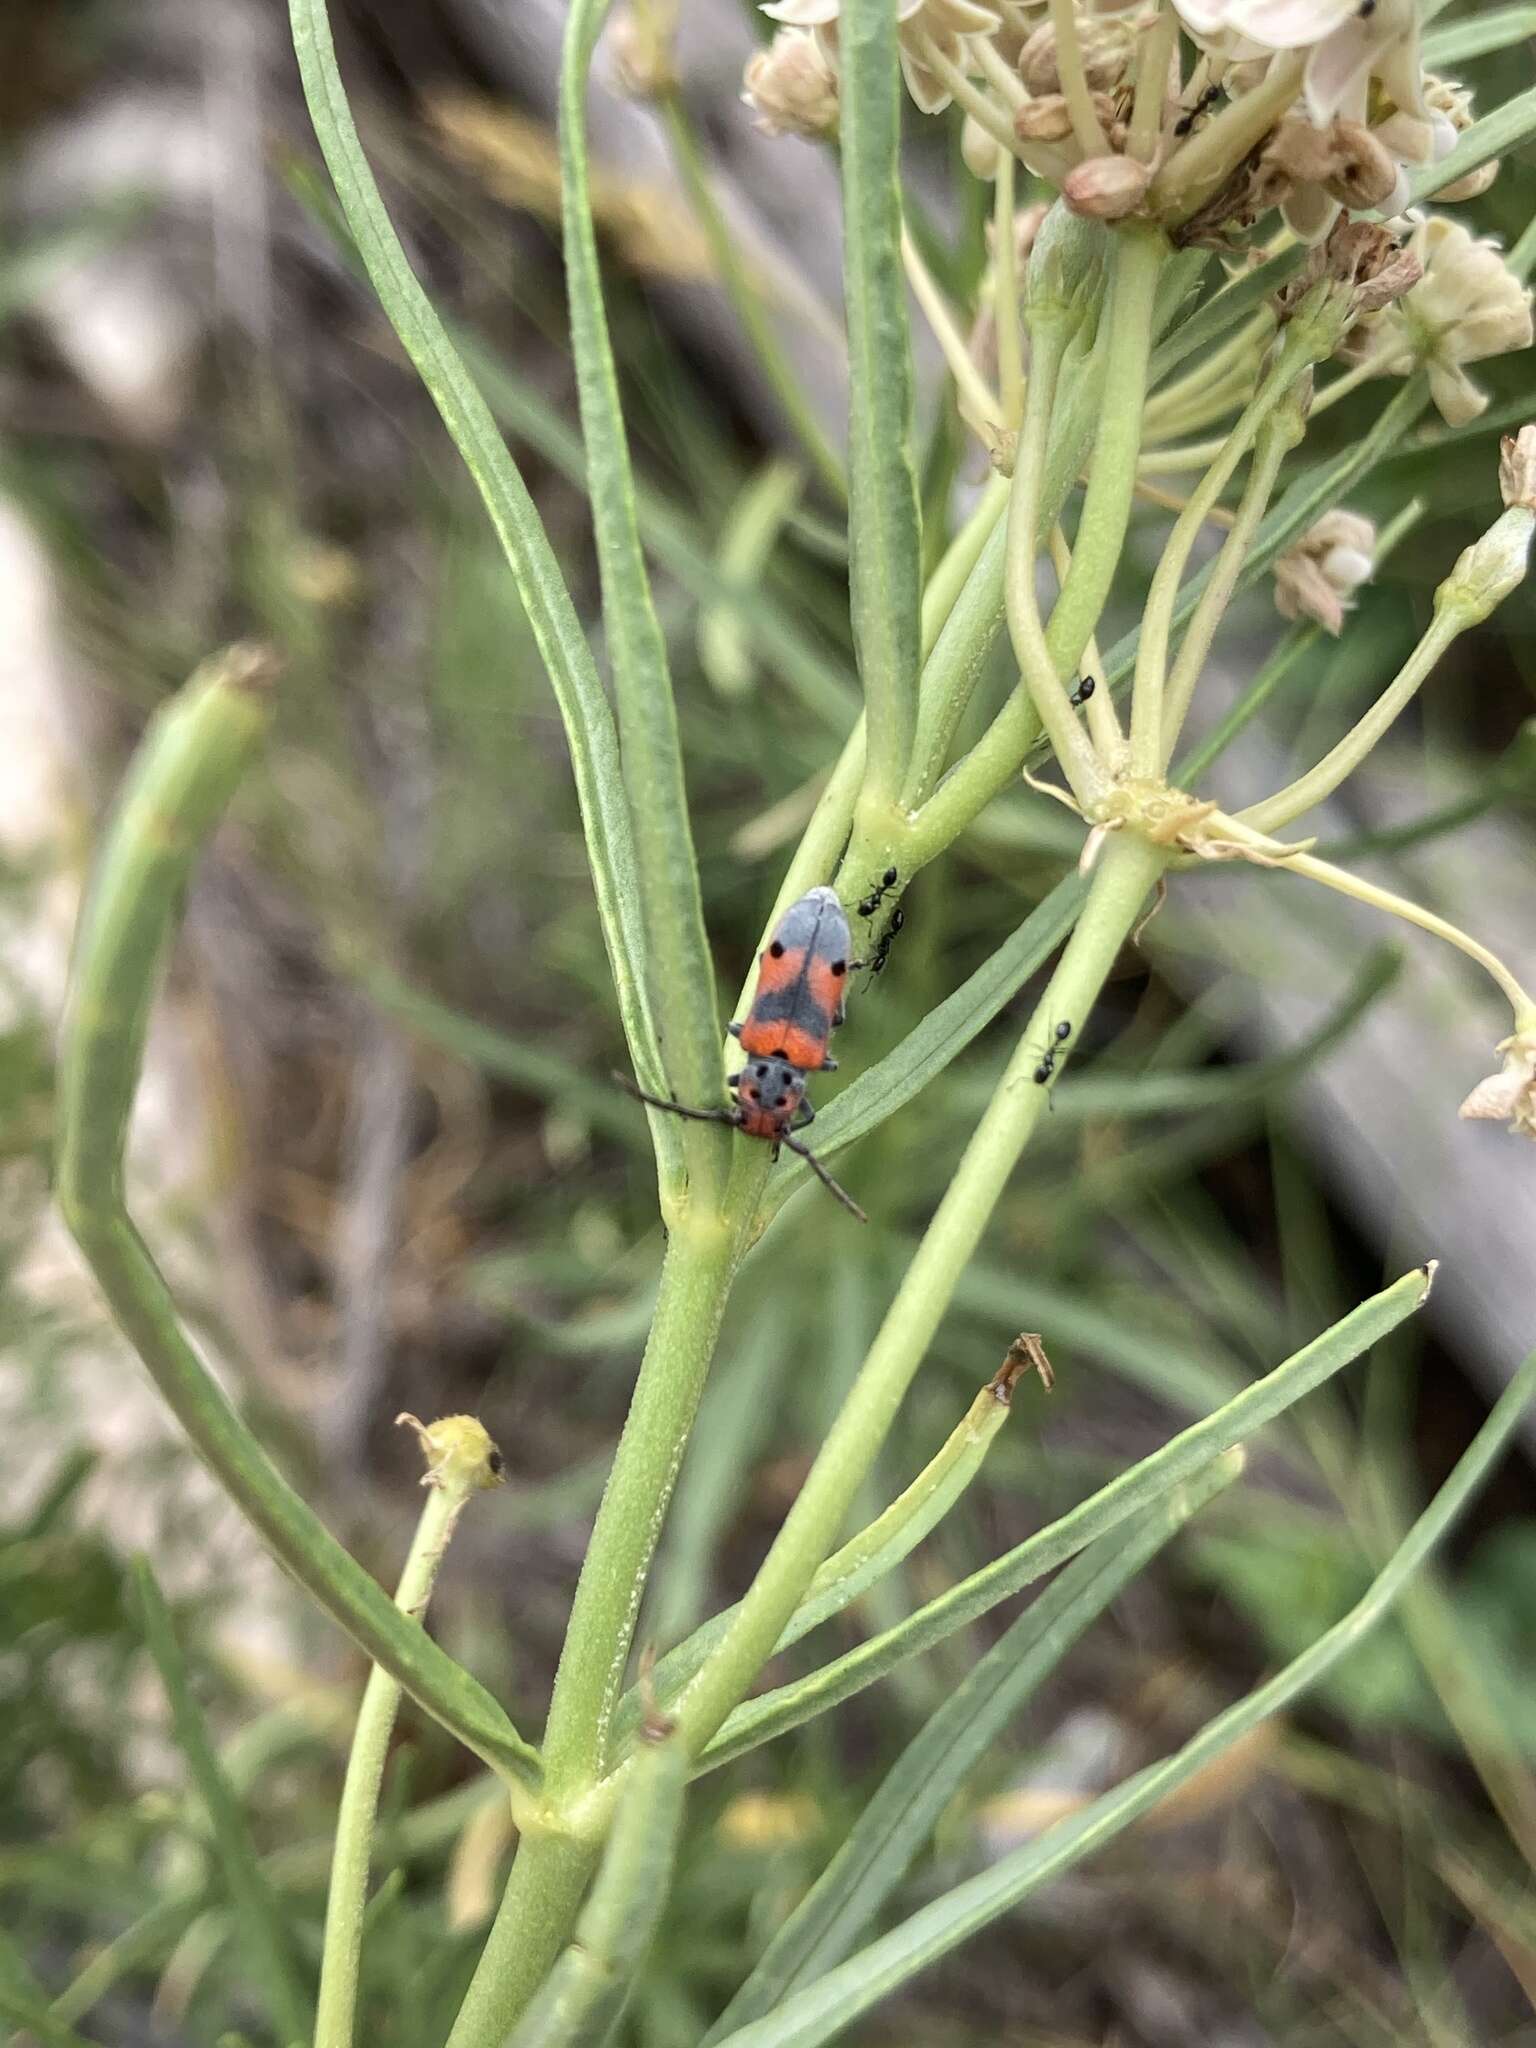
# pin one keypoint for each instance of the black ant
(1213, 93)
(878, 894)
(887, 940)
(1052, 1053)
(1085, 689)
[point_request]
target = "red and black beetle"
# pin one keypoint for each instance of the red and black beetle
(802, 979)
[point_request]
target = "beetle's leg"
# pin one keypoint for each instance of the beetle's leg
(734, 1030)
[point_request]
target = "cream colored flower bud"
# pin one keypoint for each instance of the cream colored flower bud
(1365, 174)
(1043, 120)
(1472, 186)
(1318, 577)
(1106, 187)
(1107, 42)
(1451, 114)
(1509, 1096)
(639, 44)
(1491, 569)
(982, 152)
(792, 86)
(1517, 469)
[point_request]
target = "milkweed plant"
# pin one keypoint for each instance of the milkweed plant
(1210, 221)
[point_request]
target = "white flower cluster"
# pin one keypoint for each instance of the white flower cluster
(1362, 112)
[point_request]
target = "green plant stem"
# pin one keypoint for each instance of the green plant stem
(1295, 647)
(861, 1562)
(1496, 134)
(809, 1532)
(1277, 437)
(746, 300)
(1345, 884)
(885, 551)
(1074, 751)
(1220, 380)
(580, 2002)
(1198, 168)
(1006, 316)
(1086, 128)
(695, 1279)
(1181, 460)
(1324, 777)
(942, 590)
(1149, 746)
(183, 776)
(1140, 253)
(680, 975)
(357, 1815)
(982, 108)
(533, 1923)
(873, 1859)
(1351, 380)
(1152, 65)
(936, 812)
(979, 405)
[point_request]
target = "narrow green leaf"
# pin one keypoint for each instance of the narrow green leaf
(892, 1828)
(942, 1036)
(670, 536)
(821, 2012)
(184, 773)
(1223, 311)
(762, 1719)
(1479, 35)
(865, 1559)
(746, 295)
(820, 682)
(584, 708)
(682, 982)
(1497, 133)
(526, 1063)
(141, 1945)
(1314, 492)
(747, 541)
(582, 2000)
(885, 559)
(273, 1971)
(1100, 1094)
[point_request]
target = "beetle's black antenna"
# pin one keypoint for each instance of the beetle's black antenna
(823, 1176)
(700, 1116)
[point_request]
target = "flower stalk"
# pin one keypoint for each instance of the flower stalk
(461, 1461)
